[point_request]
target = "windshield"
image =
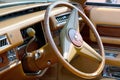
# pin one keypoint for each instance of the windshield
(105, 1)
(31, 0)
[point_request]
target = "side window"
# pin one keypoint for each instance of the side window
(105, 1)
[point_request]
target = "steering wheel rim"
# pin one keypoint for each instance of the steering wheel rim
(53, 45)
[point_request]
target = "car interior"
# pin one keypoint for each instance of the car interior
(59, 40)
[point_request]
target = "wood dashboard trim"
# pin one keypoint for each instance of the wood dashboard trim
(109, 30)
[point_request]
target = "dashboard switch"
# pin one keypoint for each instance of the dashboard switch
(37, 55)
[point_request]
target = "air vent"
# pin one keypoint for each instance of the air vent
(61, 19)
(3, 41)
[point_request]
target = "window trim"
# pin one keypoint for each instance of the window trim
(102, 4)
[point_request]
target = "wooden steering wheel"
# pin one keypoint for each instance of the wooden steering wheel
(71, 41)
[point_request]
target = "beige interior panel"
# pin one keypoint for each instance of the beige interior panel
(105, 16)
(8, 10)
(11, 27)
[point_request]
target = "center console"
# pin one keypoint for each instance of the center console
(112, 67)
(111, 72)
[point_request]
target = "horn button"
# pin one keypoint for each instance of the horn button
(75, 37)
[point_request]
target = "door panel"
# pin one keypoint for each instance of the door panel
(107, 22)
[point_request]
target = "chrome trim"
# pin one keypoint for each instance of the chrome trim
(38, 73)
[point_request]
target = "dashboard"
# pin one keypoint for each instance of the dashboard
(15, 41)
(22, 53)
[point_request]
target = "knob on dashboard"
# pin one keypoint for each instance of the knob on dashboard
(31, 32)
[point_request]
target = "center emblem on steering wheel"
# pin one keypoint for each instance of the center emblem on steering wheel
(75, 37)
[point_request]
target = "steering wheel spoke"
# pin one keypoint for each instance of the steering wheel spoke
(68, 49)
(73, 21)
(89, 52)
(69, 52)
